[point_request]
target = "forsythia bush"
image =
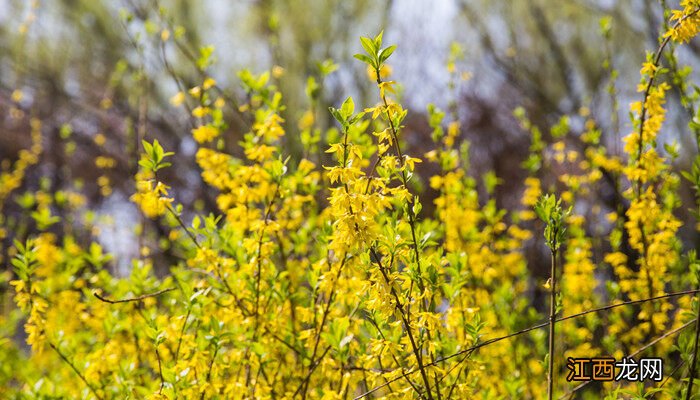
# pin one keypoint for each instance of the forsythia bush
(331, 282)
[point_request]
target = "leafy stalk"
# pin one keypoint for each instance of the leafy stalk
(549, 209)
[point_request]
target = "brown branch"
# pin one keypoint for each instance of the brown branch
(138, 298)
(673, 372)
(80, 375)
(317, 341)
(312, 368)
(407, 326)
(211, 366)
(552, 324)
(693, 360)
(416, 252)
(160, 371)
(217, 268)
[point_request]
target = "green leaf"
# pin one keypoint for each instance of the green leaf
(327, 66)
(66, 131)
(205, 57)
(347, 108)
(157, 151)
(549, 210)
(378, 40)
(337, 115)
(688, 176)
(148, 147)
(369, 46)
(417, 206)
(356, 117)
(385, 53)
(364, 58)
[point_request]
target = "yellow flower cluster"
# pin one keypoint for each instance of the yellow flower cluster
(12, 179)
(152, 197)
(205, 133)
(687, 22)
(651, 225)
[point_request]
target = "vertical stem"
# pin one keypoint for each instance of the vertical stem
(693, 361)
(552, 313)
(407, 326)
(160, 371)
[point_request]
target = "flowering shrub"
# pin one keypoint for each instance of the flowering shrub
(331, 282)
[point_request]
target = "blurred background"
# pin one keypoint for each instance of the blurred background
(100, 77)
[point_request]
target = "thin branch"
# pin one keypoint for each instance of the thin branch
(678, 367)
(184, 227)
(160, 371)
(217, 268)
(80, 375)
(552, 324)
(182, 333)
(312, 368)
(416, 251)
(211, 366)
(407, 326)
(138, 298)
(693, 360)
(326, 312)
(396, 360)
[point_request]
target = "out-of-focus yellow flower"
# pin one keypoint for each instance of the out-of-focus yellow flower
(17, 95)
(177, 99)
(208, 83)
(205, 133)
(277, 71)
(384, 72)
(100, 139)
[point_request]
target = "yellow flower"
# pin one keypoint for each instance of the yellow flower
(152, 200)
(100, 139)
(532, 191)
(384, 72)
(17, 95)
(307, 120)
(277, 71)
(208, 83)
(177, 99)
(205, 133)
(410, 162)
(201, 112)
(105, 162)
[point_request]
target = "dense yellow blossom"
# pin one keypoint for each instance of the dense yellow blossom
(329, 274)
(205, 133)
(151, 196)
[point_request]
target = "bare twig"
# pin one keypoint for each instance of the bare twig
(160, 371)
(552, 324)
(80, 374)
(693, 360)
(138, 298)
(670, 375)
